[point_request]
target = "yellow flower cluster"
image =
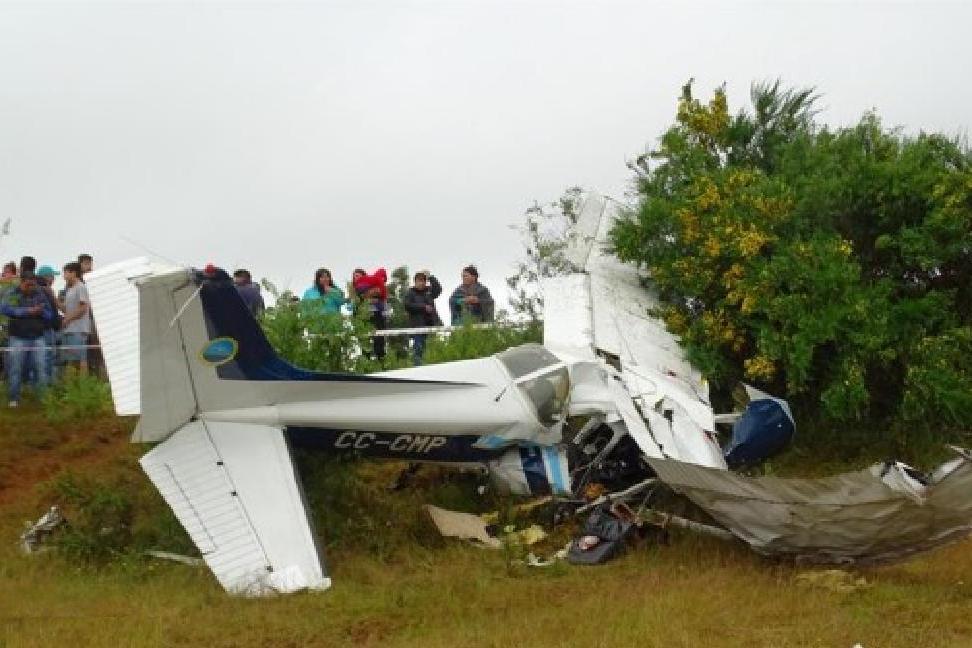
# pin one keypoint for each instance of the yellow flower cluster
(731, 277)
(718, 327)
(708, 197)
(752, 241)
(709, 122)
(712, 247)
(691, 229)
(676, 321)
(759, 368)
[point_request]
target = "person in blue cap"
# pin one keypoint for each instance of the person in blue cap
(45, 282)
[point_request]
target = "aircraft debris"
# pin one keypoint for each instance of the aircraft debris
(603, 535)
(453, 524)
(179, 558)
(885, 513)
(37, 533)
(833, 580)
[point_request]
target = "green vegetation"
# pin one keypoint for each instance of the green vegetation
(76, 397)
(830, 265)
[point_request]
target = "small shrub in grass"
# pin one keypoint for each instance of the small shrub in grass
(99, 517)
(77, 397)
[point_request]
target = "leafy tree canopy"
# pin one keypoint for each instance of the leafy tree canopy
(830, 264)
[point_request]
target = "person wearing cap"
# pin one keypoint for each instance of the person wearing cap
(29, 310)
(471, 301)
(419, 303)
(45, 282)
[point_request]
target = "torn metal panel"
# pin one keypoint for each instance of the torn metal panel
(871, 516)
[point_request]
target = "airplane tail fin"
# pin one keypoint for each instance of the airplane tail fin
(178, 342)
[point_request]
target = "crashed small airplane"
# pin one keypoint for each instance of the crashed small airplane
(607, 398)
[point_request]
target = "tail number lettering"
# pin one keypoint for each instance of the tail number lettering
(400, 443)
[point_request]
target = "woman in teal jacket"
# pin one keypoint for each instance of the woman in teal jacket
(323, 296)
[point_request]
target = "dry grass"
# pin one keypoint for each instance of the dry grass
(692, 593)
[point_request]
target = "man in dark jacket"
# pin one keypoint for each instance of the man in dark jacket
(471, 301)
(29, 311)
(420, 306)
(249, 291)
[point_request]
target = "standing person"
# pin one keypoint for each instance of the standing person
(45, 281)
(420, 305)
(76, 327)
(249, 291)
(29, 311)
(323, 297)
(95, 359)
(372, 291)
(471, 300)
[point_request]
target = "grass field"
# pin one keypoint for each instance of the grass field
(397, 584)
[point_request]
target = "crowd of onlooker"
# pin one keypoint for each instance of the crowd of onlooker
(368, 293)
(47, 331)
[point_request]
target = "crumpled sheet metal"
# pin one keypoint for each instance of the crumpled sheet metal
(853, 518)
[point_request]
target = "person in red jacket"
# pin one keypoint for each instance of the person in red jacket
(372, 291)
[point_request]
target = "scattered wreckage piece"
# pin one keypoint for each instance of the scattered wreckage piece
(179, 558)
(35, 535)
(466, 526)
(603, 536)
(882, 514)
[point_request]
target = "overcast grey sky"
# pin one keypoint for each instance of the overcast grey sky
(283, 137)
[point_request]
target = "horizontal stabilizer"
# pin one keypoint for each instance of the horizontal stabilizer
(114, 298)
(234, 489)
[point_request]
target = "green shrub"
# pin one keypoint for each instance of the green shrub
(830, 265)
(76, 397)
(99, 518)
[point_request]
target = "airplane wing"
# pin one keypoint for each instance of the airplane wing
(234, 488)
(607, 309)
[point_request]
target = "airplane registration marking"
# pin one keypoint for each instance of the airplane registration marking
(404, 443)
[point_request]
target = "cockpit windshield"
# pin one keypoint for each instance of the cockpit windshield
(548, 390)
(526, 359)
